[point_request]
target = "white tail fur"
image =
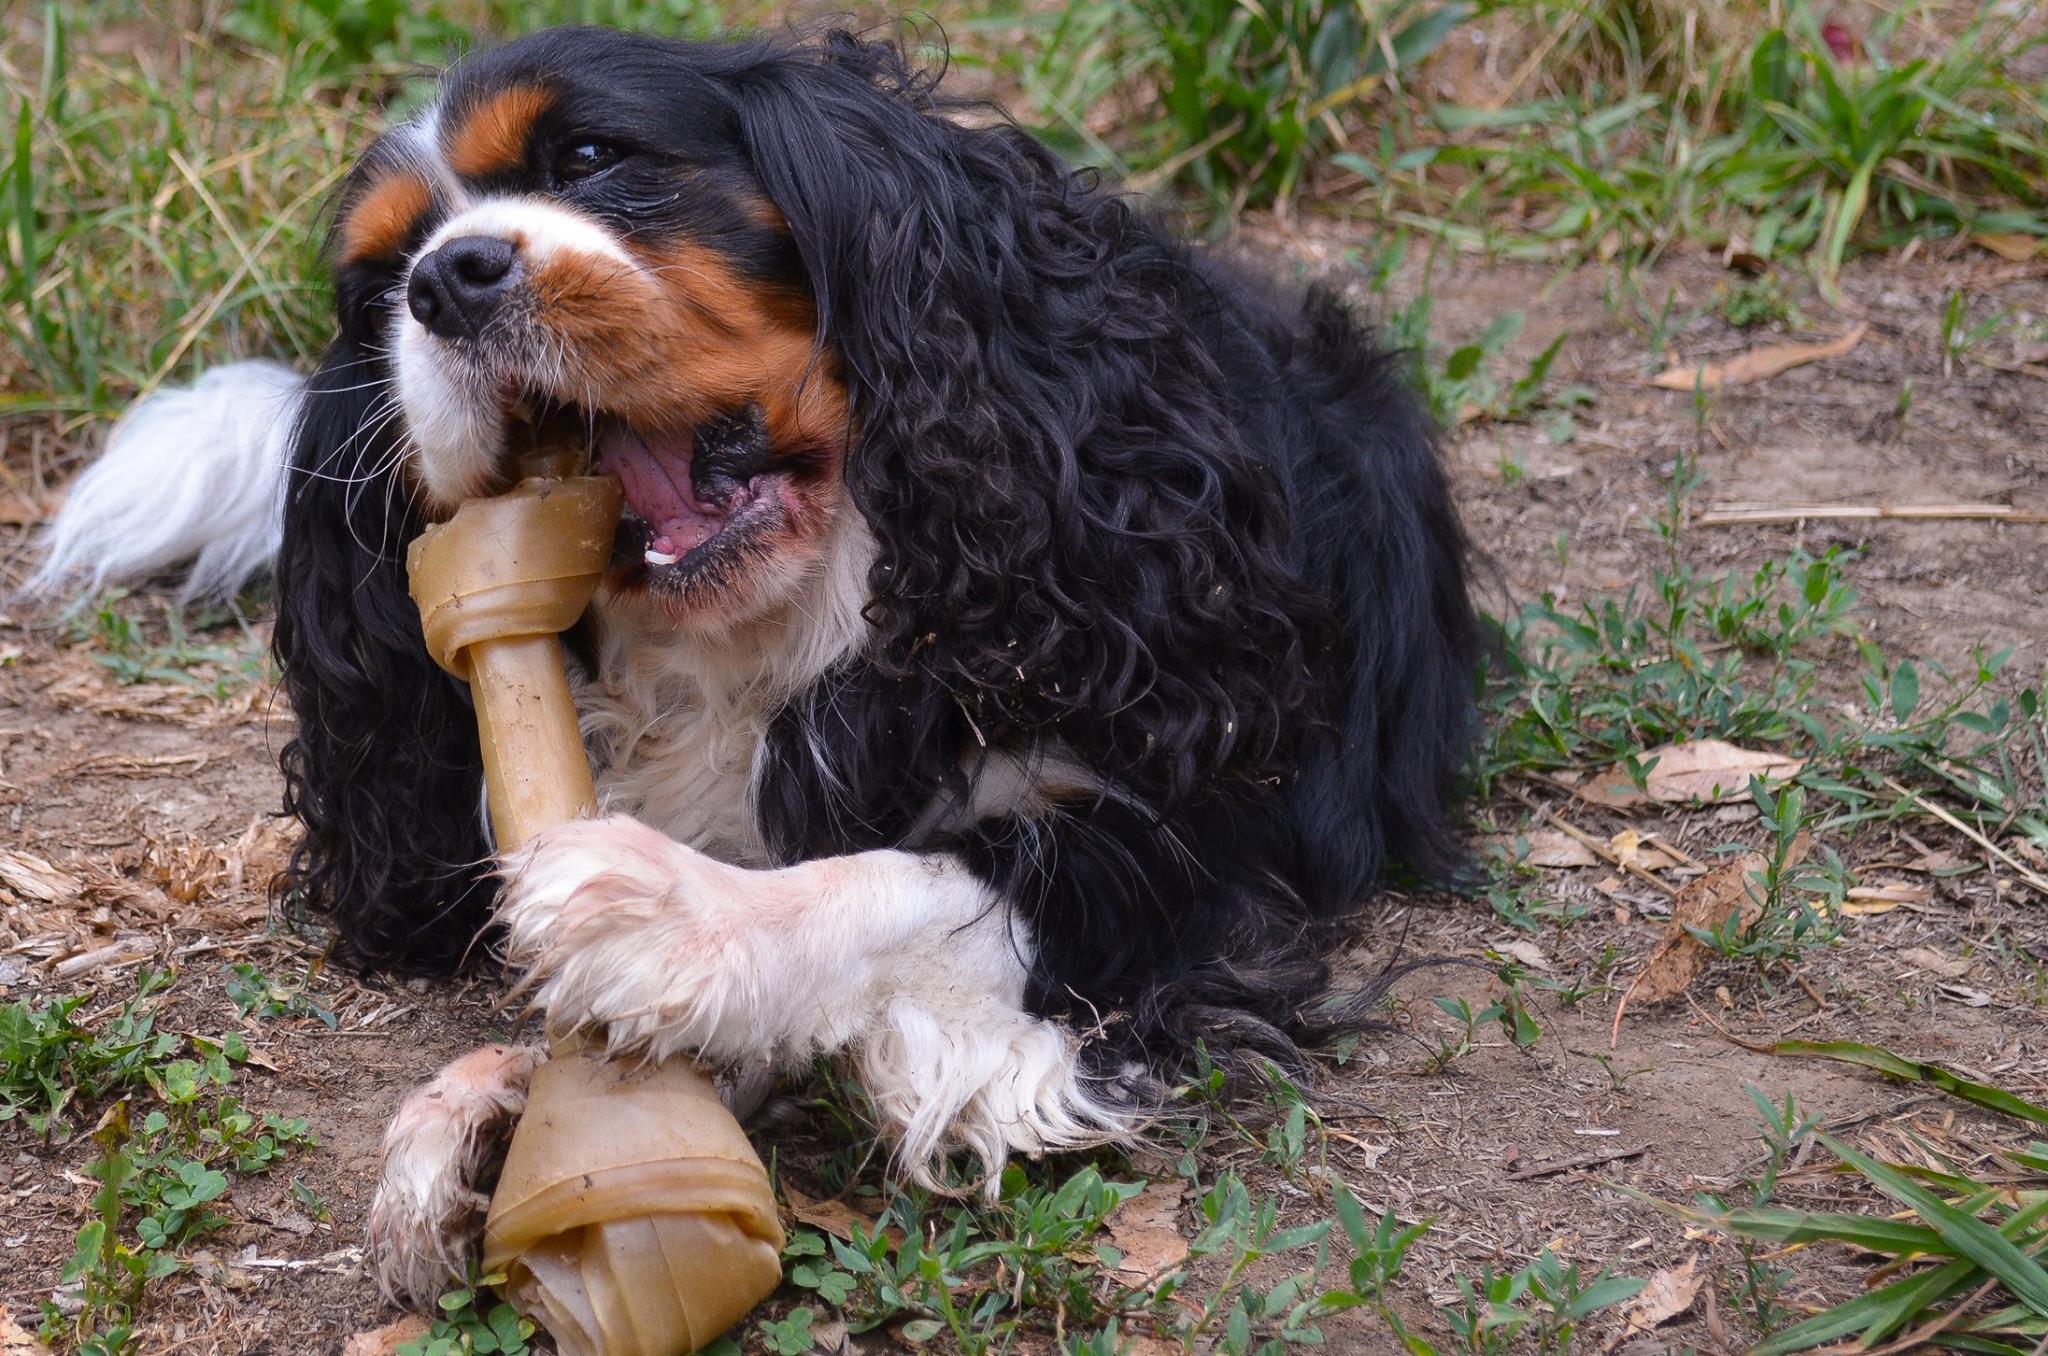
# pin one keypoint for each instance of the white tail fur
(192, 479)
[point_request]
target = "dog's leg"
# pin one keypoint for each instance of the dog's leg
(905, 963)
(428, 1212)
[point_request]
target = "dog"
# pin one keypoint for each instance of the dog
(1029, 643)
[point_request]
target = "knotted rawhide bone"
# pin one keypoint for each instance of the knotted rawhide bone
(632, 1218)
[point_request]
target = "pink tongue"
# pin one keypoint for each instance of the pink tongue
(656, 478)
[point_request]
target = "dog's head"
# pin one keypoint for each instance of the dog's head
(573, 241)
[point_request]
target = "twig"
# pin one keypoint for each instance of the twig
(2019, 868)
(1731, 515)
(1548, 815)
(1592, 1160)
(85, 962)
(1676, 853)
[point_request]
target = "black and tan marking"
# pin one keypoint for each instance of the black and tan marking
(489, 137)
(384, 218)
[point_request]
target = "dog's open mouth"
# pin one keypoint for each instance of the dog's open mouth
(693, 495)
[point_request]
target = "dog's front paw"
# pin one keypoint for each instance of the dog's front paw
(623, 931)
(428, 1211)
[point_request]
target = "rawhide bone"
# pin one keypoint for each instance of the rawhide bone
(632, 1218)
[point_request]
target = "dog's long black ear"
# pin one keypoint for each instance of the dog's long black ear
(1072, 533)
(384, 770)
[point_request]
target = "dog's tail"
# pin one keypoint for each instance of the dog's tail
(191, 484)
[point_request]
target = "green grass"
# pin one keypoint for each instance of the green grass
(125, 645)
(1630, 126)
(163, 1172)
(1960, 1247)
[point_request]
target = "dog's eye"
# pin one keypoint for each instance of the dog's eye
(585, 159)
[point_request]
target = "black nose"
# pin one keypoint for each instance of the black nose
(454, 290)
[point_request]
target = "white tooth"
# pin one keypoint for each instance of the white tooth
(654, 557)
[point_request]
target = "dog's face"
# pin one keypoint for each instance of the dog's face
(570, 243)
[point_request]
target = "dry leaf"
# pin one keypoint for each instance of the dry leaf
(1865, 900)
(385, 1340)
(1528, 953)
(1706, 903)
(834, 1217)
(1759, 364)
(1611, 790)
(1546, 847)
(30, 877)
(831, 1339)
(1144, 1230)
(1666, 1295)
(16, 1340)
(2011, 246)
(1934, 963)
(1709, 771)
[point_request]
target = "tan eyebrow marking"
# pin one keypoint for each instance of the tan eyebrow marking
(491, 137)
(381, 220)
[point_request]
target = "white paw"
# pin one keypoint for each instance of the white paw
(428, 1214)
(624, 932)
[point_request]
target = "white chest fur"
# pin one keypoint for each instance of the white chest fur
(680, 763)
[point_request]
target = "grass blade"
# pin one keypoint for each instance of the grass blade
(1913, 1071)
(1880, 1311)
(1966, 1234)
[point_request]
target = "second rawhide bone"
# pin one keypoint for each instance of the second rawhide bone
(631, 1218)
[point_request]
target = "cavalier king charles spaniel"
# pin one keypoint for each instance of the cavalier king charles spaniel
(1028, 643)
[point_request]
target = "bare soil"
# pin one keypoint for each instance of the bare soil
(145, 795)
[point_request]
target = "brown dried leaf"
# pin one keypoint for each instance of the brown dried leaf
(1666, 1295)
(1528, 953)
(1144, 1230)
(2012, 246)
(1552, 848)
(1706, 903)
(1865, 900)
(385, 1340)
(1712, 772)
(1611, 790)
(1934, 963)
(834, 1217)
(1759, 364)
(16, 1340)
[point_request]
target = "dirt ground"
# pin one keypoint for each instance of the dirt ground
(144, 796)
